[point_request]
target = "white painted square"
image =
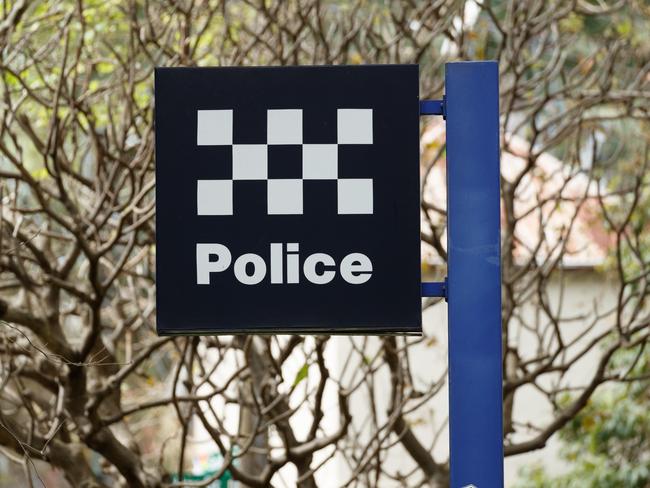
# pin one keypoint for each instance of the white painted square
(214, 197)
(320, 161)
(214, 127)
(354, 125)
(284, 126)
(249, 162)
(284, 197)
(355, 196)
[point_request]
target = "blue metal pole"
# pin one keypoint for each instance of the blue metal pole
(474, 274)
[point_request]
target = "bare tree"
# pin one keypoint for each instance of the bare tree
(82, 369)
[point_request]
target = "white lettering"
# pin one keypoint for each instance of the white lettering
(203, 264)
(293, 266)
(276, 263)
(250, 269)
(356, 268)
(259, 269)
(309, 268)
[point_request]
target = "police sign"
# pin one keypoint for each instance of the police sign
(288, 200)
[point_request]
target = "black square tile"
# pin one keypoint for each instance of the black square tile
(249, 198)
(209, 163)
(320, 198)
(285, 161)
(249, 127)
(357, 160)
(319, 127)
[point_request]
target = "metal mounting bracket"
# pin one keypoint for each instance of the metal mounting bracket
(433, 107)
(435, 289)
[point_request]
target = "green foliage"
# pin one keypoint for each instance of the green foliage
(301, 374)
(608, 443)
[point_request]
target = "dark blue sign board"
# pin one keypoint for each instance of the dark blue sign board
(288, 202)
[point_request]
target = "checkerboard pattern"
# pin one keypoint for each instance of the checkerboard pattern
(251, 162)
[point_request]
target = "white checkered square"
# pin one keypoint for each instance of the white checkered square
(320, 161)
(355, 196)
(354, 125)
(249, 162)
(214, 197)
(284, 197)
(214, 127)
(284, 126)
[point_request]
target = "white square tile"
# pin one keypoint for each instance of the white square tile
(213, 127)
(284, 126)
(284, 197)
(320, 161)
(214, 197)
(355, 196)
(354, 125)
(249, 162)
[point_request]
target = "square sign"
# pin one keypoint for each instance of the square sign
(288, 200)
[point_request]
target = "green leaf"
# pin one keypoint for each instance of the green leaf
(40, 174)
(624, 28)
(301, 374)
(104, 68)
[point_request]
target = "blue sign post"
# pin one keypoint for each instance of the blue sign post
(473, 287)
